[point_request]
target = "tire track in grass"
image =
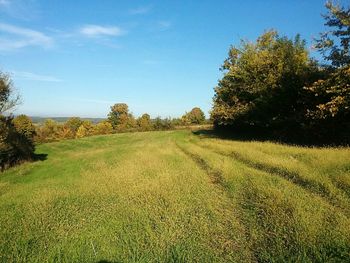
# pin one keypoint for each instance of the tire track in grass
(291, 176)
(217, 180)
(215, 175)
(345, 188)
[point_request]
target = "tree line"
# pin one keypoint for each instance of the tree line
(118, 120)
(18, 135)
(273, 87)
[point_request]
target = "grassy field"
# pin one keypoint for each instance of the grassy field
(176, 197)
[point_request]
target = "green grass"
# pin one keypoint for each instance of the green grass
(176, 197)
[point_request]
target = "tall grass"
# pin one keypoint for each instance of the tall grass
(176, 197)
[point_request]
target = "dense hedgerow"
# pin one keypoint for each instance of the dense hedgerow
(274, 87)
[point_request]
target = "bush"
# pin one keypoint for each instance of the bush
(144, 122)
(103, 127)
(195, 116)
(48, 132)
(16, 140)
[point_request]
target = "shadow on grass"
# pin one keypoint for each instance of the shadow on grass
(40, 157)
(248, 136)
(9, 161)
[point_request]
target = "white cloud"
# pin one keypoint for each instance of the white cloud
(20, 37)
(33, 76)
(4, 3)
(20, 9)
(140, 10)
(98, 31)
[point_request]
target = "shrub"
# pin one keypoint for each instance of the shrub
(103, 127)
(16, 145)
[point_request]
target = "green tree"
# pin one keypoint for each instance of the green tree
(118, 114)
(195, 116)
(15, 146)
(48, 132)
(85, 129)
(262, 84)
(144, 122)
(177, 122)
(65, 132)
(16, 136)
(8, 98)
(162, 124)
(329, 103)
(334, 44)
(24, 125)
(81, 132)
(73, 124)
(120, 118)
(103, 127)
(131, 124)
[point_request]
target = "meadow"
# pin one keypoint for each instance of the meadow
(176, 196)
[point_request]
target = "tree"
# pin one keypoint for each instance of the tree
(16, 145)
(89, 127)
(16, 135)
(48, 132)
(118, 114)
(65, 132)
(103, 127)
(8, 98)
(176, 122)
(120, 118)
(144, 122)
(85, 129)
(195, 116)
(131, 124)
(81, 132)
(334, 44)
(329, 106)
(73, 124)
(157, 124)
(262, 84)
(24, 125)
(160, 124)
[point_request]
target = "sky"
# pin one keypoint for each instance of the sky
(77, 58)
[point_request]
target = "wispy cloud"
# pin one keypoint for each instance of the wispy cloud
(141, 10)
(100, 31)
(20, 9)
(93, 101)
(164, 25)
(151, 62)
(4, 3)
(15, 37)
(35, 77)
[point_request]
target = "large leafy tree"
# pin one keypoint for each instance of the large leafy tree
(334, 44)
(118, 115)
(329, 109)
(73, 124)
(120, 118)
(195, 116)
(24, 126)
(262, 83)
(144, 122)
(8, 98)
(16, 135)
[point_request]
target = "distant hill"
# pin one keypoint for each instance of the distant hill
(38, 120)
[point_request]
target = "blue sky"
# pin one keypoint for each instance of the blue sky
(77, 58)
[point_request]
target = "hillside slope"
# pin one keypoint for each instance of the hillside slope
(176, 197)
